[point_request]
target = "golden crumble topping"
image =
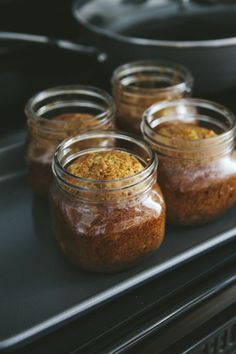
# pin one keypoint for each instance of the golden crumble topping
(186, 131)
(106, 165)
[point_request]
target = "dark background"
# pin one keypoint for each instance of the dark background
(43, 17)
(27, 69)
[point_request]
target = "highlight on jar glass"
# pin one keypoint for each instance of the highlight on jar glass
(58, 113)
(197, 162)
(138, 85)
(108, 211)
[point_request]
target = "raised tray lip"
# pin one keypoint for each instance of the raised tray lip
(74, 312)
(109, 294)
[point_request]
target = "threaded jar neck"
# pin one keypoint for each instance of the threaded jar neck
(94, 104)
(105, 190)
(197, 112)
(151, 77)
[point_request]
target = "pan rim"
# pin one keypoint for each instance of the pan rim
(206, 43)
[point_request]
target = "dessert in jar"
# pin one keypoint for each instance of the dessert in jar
(108, 211)
(138, 85)
(55, 114)
(197, 162)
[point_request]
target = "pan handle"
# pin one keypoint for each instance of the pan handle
(59, 43)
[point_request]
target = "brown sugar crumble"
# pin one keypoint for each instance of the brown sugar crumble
(73, 117)
(185, 131)
(198, 190)
(130, 108)
(42, 145)
(105, 165)
(105, 237)
(81, 120)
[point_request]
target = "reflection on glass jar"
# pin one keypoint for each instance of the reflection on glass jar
(108, 211)
(138, 85)
(197, 162)
(56, 114)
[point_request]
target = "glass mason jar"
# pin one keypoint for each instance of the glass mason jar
(55, 114)
(138, 85)
(106, 225)
(197, 177)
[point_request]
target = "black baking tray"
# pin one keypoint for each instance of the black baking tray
(40, 291)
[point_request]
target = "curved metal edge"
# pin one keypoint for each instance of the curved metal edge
(210, 43)
(59, 43)
(97, 300)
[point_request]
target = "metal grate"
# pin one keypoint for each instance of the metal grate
(221, 342)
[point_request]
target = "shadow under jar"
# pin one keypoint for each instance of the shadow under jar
(56, 114)
(197, 162)
(138, 85)
(107, 225)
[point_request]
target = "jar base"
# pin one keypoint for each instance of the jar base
(119, 268)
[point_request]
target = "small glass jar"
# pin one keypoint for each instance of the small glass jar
(138, 85)
(55, 114)
(106, 225)
(197, 177)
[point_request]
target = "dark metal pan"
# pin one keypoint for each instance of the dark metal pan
(198, 34)
(29, 64)
(201, 36)
(57, 43)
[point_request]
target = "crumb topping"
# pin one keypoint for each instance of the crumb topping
(186, 131)
(105, 165)
(71, 122)
(73, 117)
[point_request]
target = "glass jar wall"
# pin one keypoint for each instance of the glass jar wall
(108, 211)
(55, 114)
(197, 161)
(138, 85)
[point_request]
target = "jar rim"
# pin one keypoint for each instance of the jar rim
(151, 133)
(51, 92)
(135, 67)
(60, 171)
